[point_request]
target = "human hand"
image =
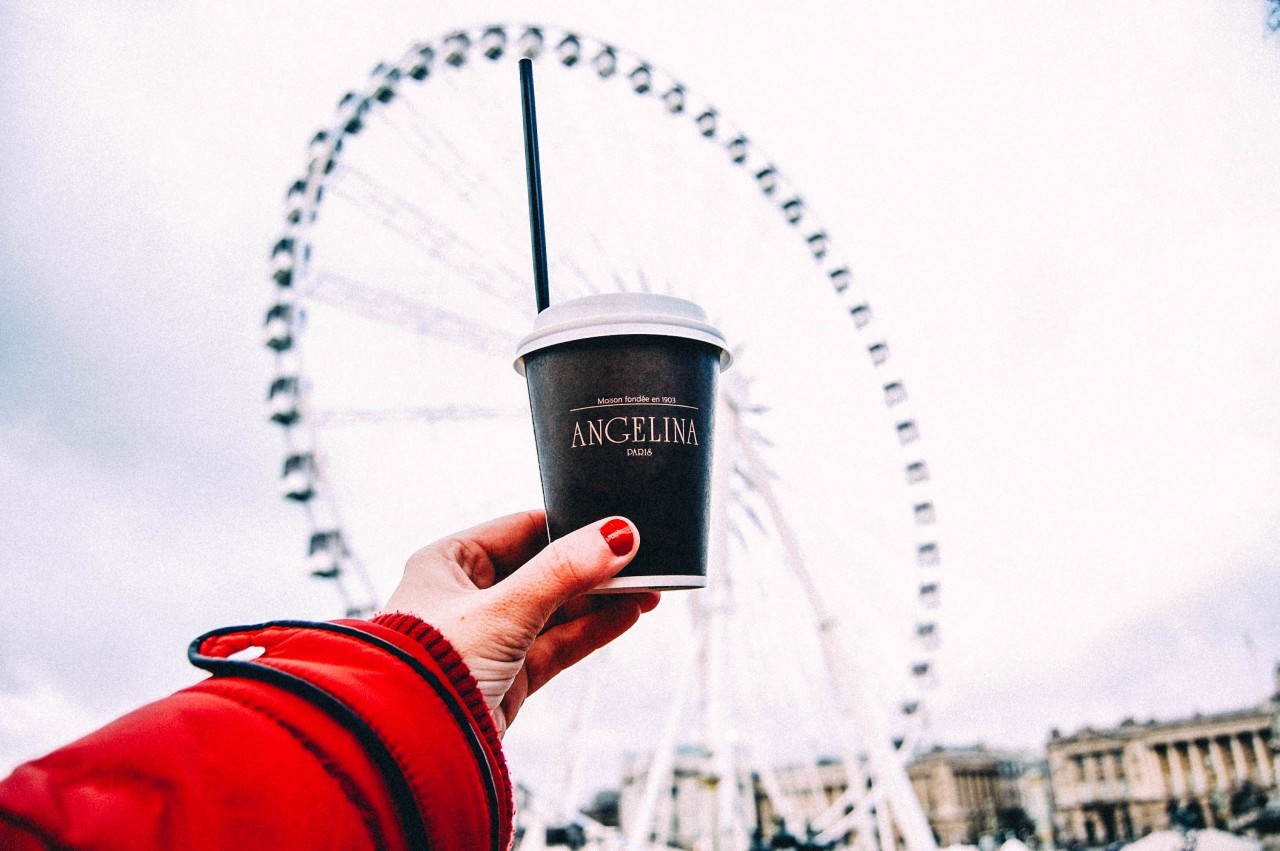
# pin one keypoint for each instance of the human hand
(517, 628)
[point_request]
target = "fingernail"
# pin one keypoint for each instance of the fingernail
(618, 535)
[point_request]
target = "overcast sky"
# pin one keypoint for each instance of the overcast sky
(1068, 213)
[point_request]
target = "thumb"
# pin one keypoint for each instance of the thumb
(569, 566)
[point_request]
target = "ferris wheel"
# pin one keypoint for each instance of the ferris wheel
(400, 287)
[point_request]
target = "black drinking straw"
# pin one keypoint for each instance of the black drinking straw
(533, 174)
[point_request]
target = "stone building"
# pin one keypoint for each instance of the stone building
(966, 793)
(685, 810)
(810, 790)
(1124, 782)
(971, 792)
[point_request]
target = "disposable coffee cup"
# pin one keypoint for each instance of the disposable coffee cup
(623, 389)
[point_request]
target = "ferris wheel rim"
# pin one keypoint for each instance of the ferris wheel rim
(458, 48)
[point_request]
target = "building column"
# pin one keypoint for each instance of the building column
(1199, 782)
(1264, 761)
(1153, 773)
(1238, 760)
(1221, 779)
(1077, 824)
(1107, 766)
(1175, 772)
(1093, 772)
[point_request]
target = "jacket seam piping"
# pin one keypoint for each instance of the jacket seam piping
(402, 796)
(460, 713)
(35, 830)
(345, 783)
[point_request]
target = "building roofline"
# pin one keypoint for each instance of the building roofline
(1130, 728)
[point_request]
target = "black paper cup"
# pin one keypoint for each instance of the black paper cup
(623, 392)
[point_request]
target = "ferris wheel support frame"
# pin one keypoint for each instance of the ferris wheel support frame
(730, 831)
(575, 740)
(662, 763)
(846, 671)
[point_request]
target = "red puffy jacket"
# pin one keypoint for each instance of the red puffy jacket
(343, 735)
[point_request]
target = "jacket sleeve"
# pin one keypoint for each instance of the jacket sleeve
(343, 735)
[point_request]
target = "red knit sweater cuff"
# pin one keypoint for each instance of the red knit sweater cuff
(452, 665)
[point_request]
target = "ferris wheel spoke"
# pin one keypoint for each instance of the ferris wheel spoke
(489, 107)
(589, 161)
(414, 316)
(393, 202)
(432, 238)
(427, 147)
(752, 672)
(858, 816)
(591, 285)
(615, 275)
(888, 768)
(802, 700)
(659, 777)
(457, 172)
(412, 238)
(424, 240)
(642, 280)
(606, 246)
(433, 414)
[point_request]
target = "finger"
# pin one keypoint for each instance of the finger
(490, 551)
(569, 643)
(588, 603)
(569, 566)
(647, 600)
(512, 540)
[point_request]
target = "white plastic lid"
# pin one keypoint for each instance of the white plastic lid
(613, 314)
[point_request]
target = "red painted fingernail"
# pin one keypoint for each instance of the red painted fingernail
(618, 535)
